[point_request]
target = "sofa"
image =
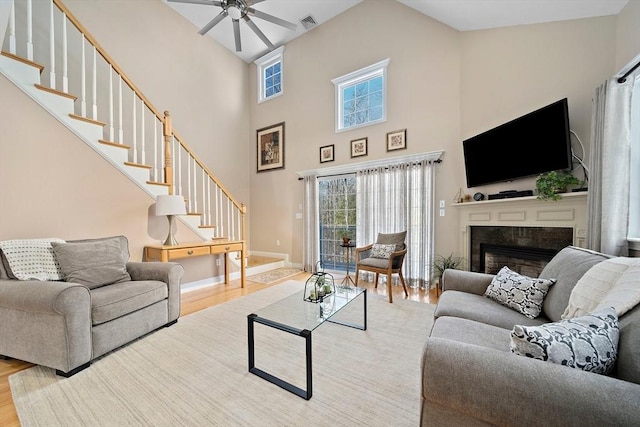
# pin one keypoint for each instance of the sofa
(82, 299)
(470, 376)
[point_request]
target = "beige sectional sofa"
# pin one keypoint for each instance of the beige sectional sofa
(471, 377)
(102, 303)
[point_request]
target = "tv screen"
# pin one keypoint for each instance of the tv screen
(535, 143)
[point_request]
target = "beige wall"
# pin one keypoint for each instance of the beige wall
(54, 185)
(628, 34)
(444, 86)
(423, 96)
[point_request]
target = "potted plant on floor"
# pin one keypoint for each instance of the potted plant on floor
(549, 185)
(441, 263)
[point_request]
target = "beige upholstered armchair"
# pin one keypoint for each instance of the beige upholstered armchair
(385, 256)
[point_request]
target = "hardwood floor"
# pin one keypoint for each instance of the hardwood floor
(191, 302)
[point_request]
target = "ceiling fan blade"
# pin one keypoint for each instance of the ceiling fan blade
(252, 2)
(271, 18)
(213, 22)
(202, 2)
(259, 33)
(236, 34)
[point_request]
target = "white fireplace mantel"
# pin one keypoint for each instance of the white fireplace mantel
(570, 211)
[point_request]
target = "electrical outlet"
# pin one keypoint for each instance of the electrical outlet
(218, 262)
(277, 242)
(441, 211)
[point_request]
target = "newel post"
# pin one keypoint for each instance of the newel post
(168, 168)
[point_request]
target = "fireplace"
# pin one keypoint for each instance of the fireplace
(525, 250)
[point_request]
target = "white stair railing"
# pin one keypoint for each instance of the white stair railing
(77, 64)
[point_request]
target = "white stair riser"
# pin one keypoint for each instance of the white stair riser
(19, 71)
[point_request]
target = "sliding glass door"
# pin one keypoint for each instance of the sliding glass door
(337, 214)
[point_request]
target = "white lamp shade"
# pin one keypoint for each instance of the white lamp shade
(170, 205)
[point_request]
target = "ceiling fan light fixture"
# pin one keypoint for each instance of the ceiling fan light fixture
(235, 8)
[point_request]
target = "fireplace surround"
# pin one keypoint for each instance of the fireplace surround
(523, 233)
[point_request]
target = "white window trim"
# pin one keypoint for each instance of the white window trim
(265, 62)
(379, 68)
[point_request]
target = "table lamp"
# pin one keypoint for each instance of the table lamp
(170, 206)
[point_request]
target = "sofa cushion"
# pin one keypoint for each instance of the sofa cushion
(476, 307)
(521, 293)
(628, 364)
(567, 267)
(471, 332)
(589, 342)
(30, 259)
(94, 263)
(118, 299)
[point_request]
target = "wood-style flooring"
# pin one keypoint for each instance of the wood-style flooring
(191, 302)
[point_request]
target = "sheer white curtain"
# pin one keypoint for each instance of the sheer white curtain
(609, 165)
(397, 198)
(311, 232)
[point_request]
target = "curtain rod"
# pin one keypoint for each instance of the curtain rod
(625, 75)
(353, 173)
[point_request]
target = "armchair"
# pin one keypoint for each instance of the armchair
(386, 256)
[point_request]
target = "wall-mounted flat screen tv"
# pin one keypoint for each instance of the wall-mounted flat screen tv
(535, 143)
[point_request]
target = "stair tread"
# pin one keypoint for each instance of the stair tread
(157, 183)
(206, 226)
(87, 119)
(137, 165)
(56, 92)
(114, 144)
(24, 60)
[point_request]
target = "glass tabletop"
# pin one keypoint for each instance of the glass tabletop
(295, 312)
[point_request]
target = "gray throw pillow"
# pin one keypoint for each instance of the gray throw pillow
(94, 263)
(588, 342)
(521, 293)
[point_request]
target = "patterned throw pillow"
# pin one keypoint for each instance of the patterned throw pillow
(382, 251)
(521, 293)
(588, 342)
(31, 259)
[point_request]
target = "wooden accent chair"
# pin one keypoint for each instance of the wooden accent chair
(383, 257)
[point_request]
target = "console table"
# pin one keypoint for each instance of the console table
(166, 253)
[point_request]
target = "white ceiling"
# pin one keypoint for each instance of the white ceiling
(463, 15)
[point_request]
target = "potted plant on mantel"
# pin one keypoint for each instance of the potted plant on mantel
(550, 184)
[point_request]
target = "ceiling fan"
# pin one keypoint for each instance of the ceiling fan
(239, 9)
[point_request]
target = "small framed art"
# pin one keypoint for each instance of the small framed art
(270, 146)
(326, 153)
(359, 147)
(397, 140)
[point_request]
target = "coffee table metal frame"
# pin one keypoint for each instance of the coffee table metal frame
(304, 333)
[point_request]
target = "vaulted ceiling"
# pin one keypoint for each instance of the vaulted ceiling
(463, 15)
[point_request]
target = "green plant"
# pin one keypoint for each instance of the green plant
(549, 185)
(441, 263)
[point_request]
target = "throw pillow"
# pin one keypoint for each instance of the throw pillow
(94, 263)
(610, 283)
(521, 293)
(588, 342)
(30, 259)
(382, 251)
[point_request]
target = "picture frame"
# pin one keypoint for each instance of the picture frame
(359, 147)
(270, 147)
(397, 140)
(327, 153)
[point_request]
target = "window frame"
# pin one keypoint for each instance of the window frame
(264, 62)
(364, 74)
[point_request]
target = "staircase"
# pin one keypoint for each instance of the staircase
(98, 102)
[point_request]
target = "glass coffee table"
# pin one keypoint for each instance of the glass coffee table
(301, 318)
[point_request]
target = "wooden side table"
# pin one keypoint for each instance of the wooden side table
(347, 254)
(166, 253)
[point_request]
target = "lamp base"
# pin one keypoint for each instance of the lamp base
(171, 240)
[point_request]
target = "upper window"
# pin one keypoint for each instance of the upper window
(361, 97)
(270, 83)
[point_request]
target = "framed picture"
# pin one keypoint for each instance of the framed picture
(326, 154)
(359, 147)
(397, 140)
(270, 146)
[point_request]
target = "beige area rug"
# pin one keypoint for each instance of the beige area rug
(194, 373)
(274, 275)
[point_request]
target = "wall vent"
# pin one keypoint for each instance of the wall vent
(308, 22)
